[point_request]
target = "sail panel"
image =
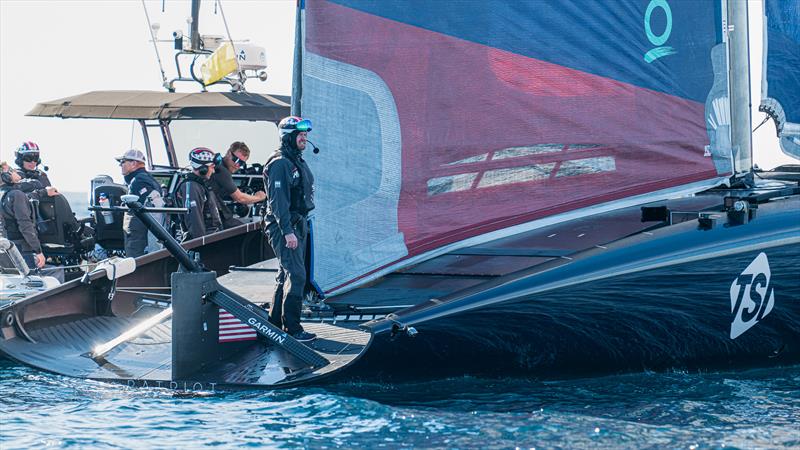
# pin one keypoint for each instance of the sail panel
(781, 75)
(443, 121)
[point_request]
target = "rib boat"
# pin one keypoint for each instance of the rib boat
(528, 189)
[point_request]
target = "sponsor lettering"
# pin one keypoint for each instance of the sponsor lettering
(752, 297)
(183, 386)
(659, 40)
(266, 331)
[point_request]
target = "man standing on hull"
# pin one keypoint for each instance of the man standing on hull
(290, 197)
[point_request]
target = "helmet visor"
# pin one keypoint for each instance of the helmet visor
(303, 125)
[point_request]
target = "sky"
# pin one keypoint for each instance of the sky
(51, 49)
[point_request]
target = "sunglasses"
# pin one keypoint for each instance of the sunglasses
(30, 158)
(238, 161)
(124, 161)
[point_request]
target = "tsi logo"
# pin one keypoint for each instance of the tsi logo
(661, 39)
(752, 298)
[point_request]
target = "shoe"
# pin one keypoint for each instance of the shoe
(303, 336)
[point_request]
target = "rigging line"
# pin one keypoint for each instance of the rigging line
(155, 47)
(230, 39)
(762, 123)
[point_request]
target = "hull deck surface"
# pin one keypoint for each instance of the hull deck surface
(147, 359)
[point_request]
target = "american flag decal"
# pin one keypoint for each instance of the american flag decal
(232, 329)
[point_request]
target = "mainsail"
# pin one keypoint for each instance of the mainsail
(443, 122)
(780, 87)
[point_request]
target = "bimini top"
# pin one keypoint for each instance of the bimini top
(143, 105)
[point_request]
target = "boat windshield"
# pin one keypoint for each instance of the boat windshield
(260, 137)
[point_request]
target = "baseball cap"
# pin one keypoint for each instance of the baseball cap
(132, 155)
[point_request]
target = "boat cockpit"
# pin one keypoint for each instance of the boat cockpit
(181, 121)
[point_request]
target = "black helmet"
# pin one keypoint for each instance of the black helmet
(27, 151)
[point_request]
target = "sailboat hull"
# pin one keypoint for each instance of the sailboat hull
(650, 304)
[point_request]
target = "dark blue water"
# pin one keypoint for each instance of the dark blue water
(748, 409)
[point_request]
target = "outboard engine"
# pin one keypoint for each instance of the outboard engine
(108, 227)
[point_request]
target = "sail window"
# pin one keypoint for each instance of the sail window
(586, 166)
(511, 175)
(516, 152)
(453, 183)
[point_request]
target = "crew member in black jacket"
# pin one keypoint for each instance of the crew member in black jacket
(27, 158)
(140, 183)
(290, 197)
(19, 222)
(195, 195)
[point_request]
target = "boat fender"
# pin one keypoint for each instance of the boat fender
(114, 268)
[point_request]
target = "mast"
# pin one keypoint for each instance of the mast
(739, 76)
(297, 75)
(194, 29)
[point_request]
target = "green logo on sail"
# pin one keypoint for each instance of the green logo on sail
(658, 40)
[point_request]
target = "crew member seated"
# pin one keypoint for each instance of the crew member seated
(195, 195)
(19, 219)
(54, 210)
(140, 183)
(222, 183)
(27, 159)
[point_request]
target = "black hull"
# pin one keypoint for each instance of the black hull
(658, 302)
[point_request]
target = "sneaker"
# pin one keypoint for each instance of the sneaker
(303, 336)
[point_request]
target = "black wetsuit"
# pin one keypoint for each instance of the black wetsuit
(36, 180)
(140, 183)
(203, 216)
(290, 196)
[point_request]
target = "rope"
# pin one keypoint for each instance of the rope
(230, 39)
(152, 294)
(147, 288)
(762, 123)
(155, 47)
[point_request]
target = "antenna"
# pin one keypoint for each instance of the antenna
(154, 27)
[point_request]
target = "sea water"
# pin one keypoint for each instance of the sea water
(741, 409)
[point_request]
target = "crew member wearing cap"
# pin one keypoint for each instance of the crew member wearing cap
(222, 183)
(195, 195)
(138, 240)
(290, 197)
